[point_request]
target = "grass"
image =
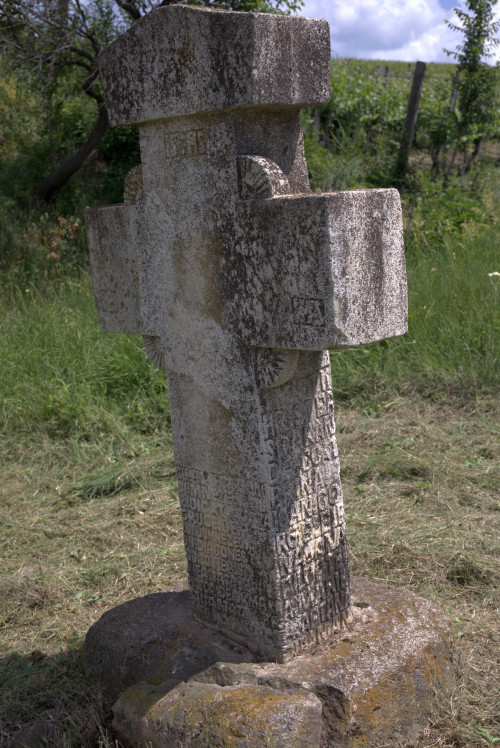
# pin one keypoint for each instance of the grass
(421, 484)
(60, 375)
(86, 526)
(71, 548)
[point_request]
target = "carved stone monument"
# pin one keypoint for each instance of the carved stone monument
(239, 279)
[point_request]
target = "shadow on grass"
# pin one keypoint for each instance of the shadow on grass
(48, 701)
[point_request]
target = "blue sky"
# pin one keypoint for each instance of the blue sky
(389, 29)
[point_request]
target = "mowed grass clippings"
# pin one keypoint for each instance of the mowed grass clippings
(77, 539)
(421, 491)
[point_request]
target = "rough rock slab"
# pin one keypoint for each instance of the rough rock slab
(180, 60)
(206, 714)
(152, 639)
(377, 681)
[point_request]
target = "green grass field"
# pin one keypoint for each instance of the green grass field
(62, 377)
(87, 524)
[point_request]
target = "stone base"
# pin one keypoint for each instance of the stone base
(183, 684)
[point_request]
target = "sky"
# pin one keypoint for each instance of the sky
(390, 29)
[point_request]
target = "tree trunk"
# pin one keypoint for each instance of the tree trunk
(76, 161)
(450, 166)
(435, 152)
(454, 93)
(476, 152)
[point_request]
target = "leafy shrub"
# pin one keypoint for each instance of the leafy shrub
(36, 248)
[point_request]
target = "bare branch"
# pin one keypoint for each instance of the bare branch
(81, 52)
(87, 32)
(129, 8)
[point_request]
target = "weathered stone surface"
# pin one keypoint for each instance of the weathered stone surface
(205, 714)
(343, 285)
(238, 278)
(179, 61)
(375, 681)
(153, 638)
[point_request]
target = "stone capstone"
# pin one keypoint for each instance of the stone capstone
(374, 681)
(180, 61)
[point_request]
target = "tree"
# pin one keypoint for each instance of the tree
(476, 79)
(51, 39)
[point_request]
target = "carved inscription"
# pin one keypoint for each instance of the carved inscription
(185, 143)
(216, 506)
(306, 505)
(227, 534)
(308, 312)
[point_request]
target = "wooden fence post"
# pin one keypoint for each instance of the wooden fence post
(454, 92)
(411, 120)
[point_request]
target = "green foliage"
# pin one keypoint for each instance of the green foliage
(118, 152)
(362, 108)
(38, 130)
(477, 82)
(357, 106)
(328, 171)
(366, 114)
(32, 247)
(435, 215)
(39, 249)
(476, 102)
(61, 375)
(478, 26)
(137, 8)
(51, 49)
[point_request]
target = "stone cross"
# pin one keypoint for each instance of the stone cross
(239, 279)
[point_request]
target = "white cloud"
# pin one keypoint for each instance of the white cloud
(387, 29)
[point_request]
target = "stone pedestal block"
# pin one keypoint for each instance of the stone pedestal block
(181, 683)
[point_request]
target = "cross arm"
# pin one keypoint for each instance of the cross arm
(115, 267)
(321, 271)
